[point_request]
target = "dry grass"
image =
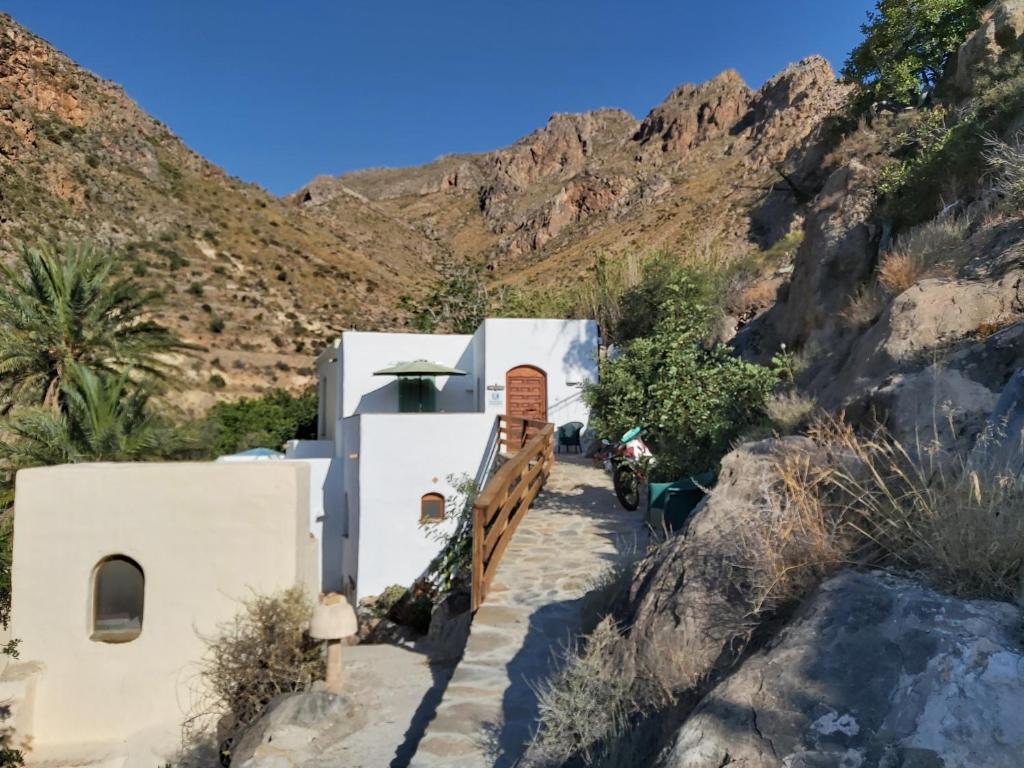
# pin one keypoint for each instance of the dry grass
(1005, 160)
(957, 524)
(264, 652)
(925, 251)
(864, 306)
(587, 703)
(790, 412)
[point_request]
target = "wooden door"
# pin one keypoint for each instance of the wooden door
(526, 397)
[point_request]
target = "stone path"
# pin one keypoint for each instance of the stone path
(575, 532)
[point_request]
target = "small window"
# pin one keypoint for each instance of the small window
(118, 594)
(432, 508)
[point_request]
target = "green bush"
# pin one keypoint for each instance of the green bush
(906, 46)
(692, 398)
(265, 422)
(949, 159)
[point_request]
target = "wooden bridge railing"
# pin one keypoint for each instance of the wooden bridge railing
(507, 497)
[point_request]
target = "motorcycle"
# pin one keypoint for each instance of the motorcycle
(629, 461)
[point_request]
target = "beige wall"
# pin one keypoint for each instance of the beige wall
(206, 536)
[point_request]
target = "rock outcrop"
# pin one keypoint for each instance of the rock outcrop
(690, 172)
(875, 671)
(295, 729)
(688, 610)
(1000, 36)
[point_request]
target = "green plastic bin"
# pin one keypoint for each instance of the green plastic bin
(670, 504)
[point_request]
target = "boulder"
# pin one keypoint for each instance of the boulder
(935, 406)
(875, 671)
(920, 326)
(295, 728)
(1000, 35)
(687, 611)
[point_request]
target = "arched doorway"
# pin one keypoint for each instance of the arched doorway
(526, 396)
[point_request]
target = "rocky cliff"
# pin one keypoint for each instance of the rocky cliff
(696, 176)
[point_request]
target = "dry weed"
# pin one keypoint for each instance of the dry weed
(864, 306)
(959, 526)
(263, 652)
(790, 412)
(1005, 160)
(586, 704)
(925, 251)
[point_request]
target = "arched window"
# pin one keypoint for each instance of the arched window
(118, 595)
(431, 508)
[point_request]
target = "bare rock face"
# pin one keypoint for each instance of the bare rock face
(562, 147)
(789, 108)
(691, 115)
(837, 255)
(686, 609)
(1000, 35)
(874, 671)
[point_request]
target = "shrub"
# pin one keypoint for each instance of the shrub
(920, 253)
(196, 289)
(586, 704)
(692, 399)
(265, 422)
(1006, 162)
(264, 652)
(217, 381)
(216, 324)
(906, 45)
(864, 306)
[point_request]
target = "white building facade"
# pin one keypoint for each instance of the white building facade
(387, 461)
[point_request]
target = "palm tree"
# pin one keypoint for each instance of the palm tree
(66, 306)
(103, 418)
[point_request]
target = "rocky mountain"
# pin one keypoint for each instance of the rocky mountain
(700, 175)
(261, 282)
(248, 276)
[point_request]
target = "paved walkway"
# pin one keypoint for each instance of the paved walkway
(575, 531)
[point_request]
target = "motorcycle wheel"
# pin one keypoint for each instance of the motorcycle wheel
(627, 487)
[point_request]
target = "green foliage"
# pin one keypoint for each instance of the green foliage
(948, 148)
(104, 418)
(691, 398)
(457, 302)
(452, 565)
(65, 306)
(906, 45)
(265, 422)
(665, 283)
(6, 559)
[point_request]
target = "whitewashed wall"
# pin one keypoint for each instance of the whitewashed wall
(326, 505)
(328, 391)
(566, 350)
(401, 457)
(207, 536)
(364, 353)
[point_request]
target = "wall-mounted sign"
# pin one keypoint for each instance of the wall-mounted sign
(495, 387)
(495, 397)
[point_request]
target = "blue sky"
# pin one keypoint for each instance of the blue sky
(277, 92)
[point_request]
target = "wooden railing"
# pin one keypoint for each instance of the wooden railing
(507, 497)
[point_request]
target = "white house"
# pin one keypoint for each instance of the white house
(397, 441)
(121, 570)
